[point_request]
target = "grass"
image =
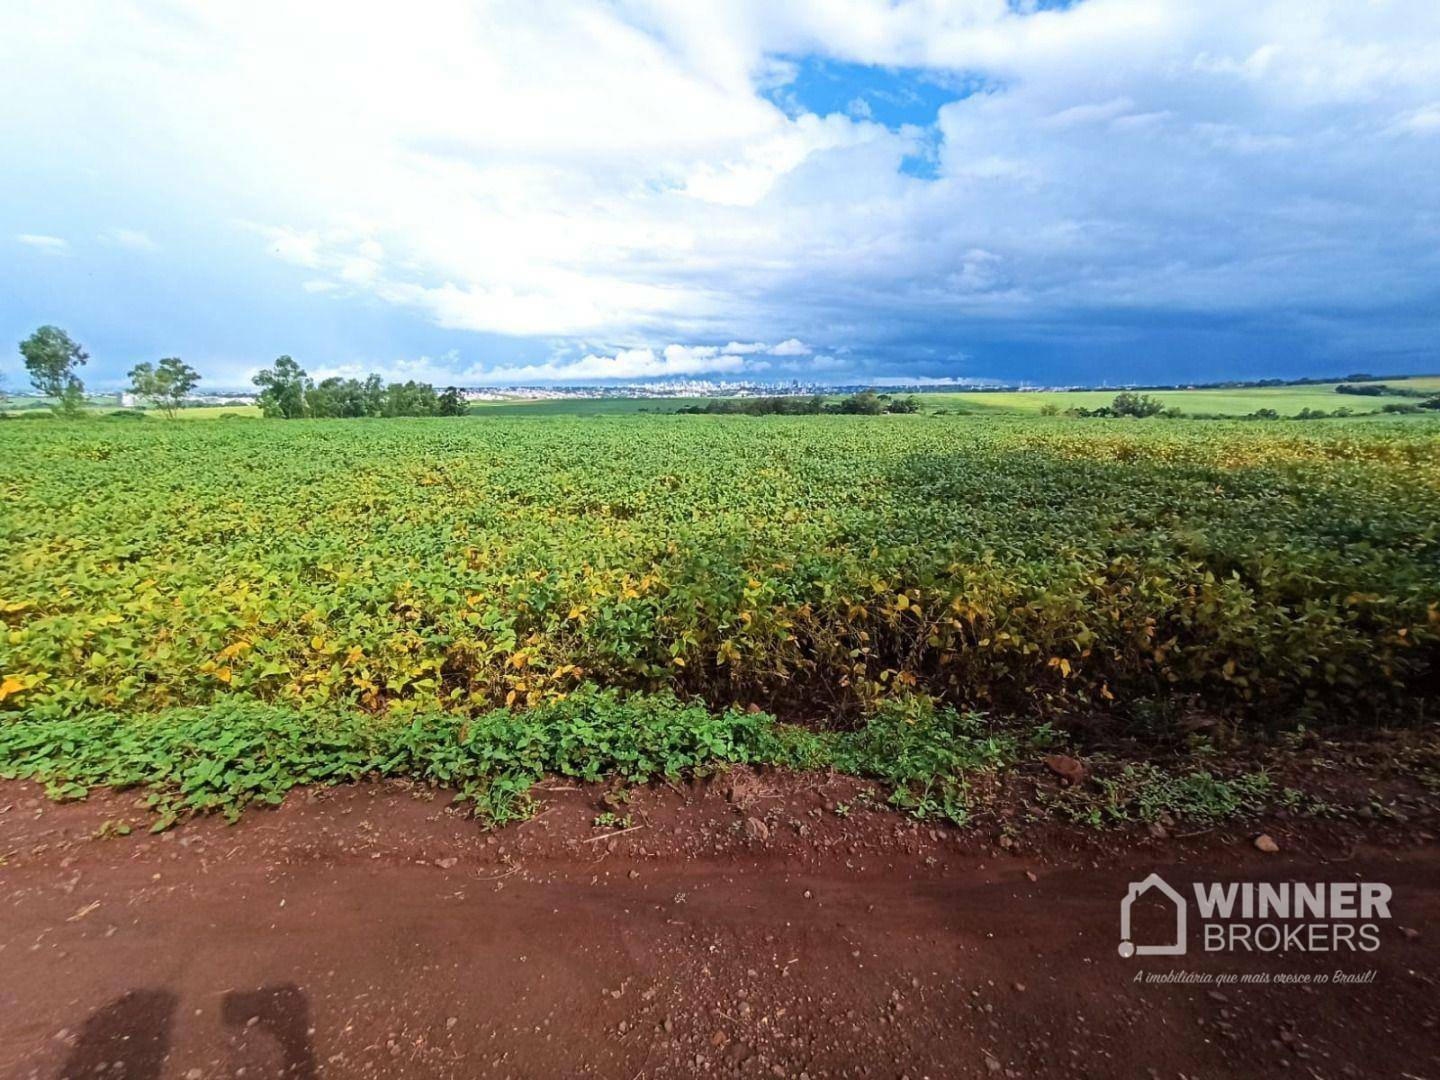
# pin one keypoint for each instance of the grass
(229, 756)
(1145, 792)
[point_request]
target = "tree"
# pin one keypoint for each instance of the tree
(374, 390)
(452, 403)
(337, 397)
(284, 389)
(164, 385)
(1138, 405)
(51, 357)
(909, 404)
(410, 398)
(866, 403)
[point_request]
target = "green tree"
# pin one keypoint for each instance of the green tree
(51, 358)
(374, 391)
(410, 399)
(452, 403)
(866, 403)
(284, 389)
(1138, 405)
(337, 397)
(164, 385)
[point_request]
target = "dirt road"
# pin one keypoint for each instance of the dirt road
(745, 930)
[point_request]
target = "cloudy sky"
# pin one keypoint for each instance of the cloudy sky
(831, 190)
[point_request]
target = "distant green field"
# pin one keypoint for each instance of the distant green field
(1419, 382)
(22, 406)
(584, 406)
(210, 412)
(1286, 400)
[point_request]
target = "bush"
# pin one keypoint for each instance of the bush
(1137, 405)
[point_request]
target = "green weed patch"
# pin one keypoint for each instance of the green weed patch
(224, 757)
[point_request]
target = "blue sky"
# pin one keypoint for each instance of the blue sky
(1102, 191)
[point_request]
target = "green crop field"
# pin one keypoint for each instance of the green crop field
(399, 575)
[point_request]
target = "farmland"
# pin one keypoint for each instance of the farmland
(1236, 402)
(818, 564)
(824, 637)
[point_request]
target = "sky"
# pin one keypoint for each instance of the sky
(843, 191)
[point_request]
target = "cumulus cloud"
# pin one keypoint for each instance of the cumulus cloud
(601, 174)
(673, 361)
(790, 347)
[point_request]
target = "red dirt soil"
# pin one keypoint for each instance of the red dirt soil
(752, 926)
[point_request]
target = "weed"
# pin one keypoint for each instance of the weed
(1145, 792)
(227, 756)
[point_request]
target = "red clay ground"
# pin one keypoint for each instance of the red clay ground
(746, 929)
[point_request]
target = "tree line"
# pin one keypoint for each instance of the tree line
(53, 360)
(288, 392)
(865, 403)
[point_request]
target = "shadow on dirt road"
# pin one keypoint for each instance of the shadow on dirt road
(367, 932)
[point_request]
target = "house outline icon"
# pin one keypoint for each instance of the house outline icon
(1138, 889)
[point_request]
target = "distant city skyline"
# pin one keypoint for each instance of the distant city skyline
(849, 192)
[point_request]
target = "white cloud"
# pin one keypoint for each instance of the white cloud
(790, 347)
(672, 362)
(133, 239)
(1422, 121)
(609, 173)
(51, 245)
